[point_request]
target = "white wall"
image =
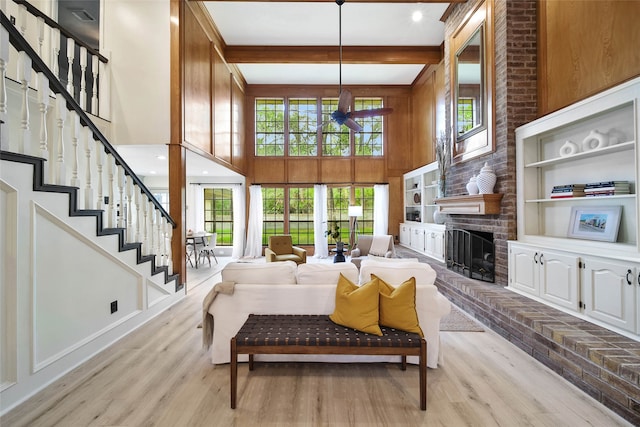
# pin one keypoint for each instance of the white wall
(136, 39)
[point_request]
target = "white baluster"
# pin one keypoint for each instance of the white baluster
(3, 6)
(150, 230)
(4, 60)
(100, 177)
(40, 21)
(71, 53)
(43, 104)
(61, 169)
(88, 190)
(121, 205)
(24, 77)
(129, 211)
(95, 64)
(55, 52)
(75, 137)
(139, 217)
(169, 239)
(159, 238)
(111, 174)
(143, 225)
(22, 19)
(83, 81)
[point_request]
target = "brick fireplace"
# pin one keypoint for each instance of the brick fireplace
(515, 102)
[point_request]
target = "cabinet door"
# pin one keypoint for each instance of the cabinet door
(430, 243)
(405, 235)
(523, 269)
(418, 239)
(438, 245)
(609, 292)
(559, 278)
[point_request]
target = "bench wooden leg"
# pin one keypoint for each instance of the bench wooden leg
(251, 362)
(234, 372)
(404, 362)
(423, 375)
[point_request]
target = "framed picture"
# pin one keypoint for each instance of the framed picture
(595, 223)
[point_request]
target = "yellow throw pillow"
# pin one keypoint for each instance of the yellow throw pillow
(398, 306)
(357, 306)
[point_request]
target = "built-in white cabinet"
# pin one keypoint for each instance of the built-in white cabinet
(609, 292)
(548, 274)
(419, 232)
(573, 252)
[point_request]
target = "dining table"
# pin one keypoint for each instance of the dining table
(197, 240)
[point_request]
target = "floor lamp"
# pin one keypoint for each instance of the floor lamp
(354, 213)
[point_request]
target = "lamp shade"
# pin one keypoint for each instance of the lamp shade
(355, 210)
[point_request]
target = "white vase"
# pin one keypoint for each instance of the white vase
(438, 217)
(472, 185)
(486, 179)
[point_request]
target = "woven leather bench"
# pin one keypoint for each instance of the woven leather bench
(317, 334)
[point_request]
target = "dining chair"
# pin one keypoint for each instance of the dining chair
(208, 250)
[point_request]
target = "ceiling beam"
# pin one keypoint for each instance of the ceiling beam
(331, 55)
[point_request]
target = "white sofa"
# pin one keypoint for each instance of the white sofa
(284, 288)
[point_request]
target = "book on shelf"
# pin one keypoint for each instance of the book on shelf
(566, 195)
(567, 187)
(607, 184)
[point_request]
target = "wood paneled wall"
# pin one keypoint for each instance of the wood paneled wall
(213, 93)
(585, 46)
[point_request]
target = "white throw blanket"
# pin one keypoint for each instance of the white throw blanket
(379, 245)
(207, 318)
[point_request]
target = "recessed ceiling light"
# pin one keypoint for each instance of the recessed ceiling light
(161, 157)
(205, 172)
(417, 16)
(152, 172)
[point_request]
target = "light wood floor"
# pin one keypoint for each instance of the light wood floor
(160, 376)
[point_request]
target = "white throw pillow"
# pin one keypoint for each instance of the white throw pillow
(270, 273)
(396, 273)
(322, 274)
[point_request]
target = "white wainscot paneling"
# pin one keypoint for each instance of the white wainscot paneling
(8, 281)
(75, 308)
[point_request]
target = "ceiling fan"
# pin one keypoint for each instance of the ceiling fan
(342, 116)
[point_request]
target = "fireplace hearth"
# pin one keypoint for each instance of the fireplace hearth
(471, 254)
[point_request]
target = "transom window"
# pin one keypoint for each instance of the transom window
(302, 127)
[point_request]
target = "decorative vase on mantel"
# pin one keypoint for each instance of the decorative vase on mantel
(486, 179)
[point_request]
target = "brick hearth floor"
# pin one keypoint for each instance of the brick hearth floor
(602, 363)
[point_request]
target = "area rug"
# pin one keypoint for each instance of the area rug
(457, 321)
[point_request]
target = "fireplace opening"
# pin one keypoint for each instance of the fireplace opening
(471, 253)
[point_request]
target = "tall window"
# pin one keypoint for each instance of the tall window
(273, 209)
(364, 198)
(218, 214)
(303, 127)
(270, 127)
(368, 142)
(301, 215)
(288, 211)
(338, 209)
(466, 113)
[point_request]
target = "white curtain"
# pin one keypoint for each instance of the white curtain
(239, 209)
(320, 220)
(380, 209)
(195, 208)
(254, 229)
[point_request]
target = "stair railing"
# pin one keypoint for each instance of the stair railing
(104, 179)
(56, 45)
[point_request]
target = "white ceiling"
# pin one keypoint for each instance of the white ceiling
(317, 24)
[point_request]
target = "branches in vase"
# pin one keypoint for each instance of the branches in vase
(443, 157)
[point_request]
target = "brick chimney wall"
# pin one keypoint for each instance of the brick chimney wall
(515, 33)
